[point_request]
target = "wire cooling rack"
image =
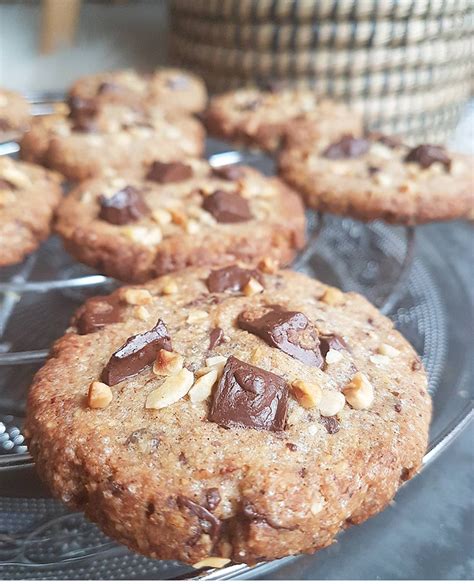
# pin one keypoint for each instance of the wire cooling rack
(425, 294)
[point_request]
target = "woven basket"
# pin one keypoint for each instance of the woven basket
(405, 64)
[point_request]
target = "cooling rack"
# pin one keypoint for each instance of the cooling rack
(425, 293)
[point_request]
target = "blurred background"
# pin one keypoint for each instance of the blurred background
(407, 64)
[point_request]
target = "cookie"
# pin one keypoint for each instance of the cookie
(108, 139)
(169, 89)
(28, 196)
(178, 214)
(255, 118)
(193, 418)
(378, 177)
(14, 112)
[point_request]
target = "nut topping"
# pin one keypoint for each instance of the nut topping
(331, 403)
(135, 296)
(99, 396)
(202, 388)
(253, 287)
(307, 394)
(172, 390)
(360, 392)
(332, 296)
(167, 362)
(388, 350)
(212, 562)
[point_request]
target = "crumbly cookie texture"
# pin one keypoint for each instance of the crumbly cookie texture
(379, 177)
(170, 89)
(14, 112)
(262, 119)
(109, 138)
(28, 196)
(180, 214)
(204, 422)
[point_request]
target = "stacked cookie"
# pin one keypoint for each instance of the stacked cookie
(233, 410)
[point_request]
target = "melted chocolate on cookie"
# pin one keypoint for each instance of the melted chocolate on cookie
(347, 147)
(231, 278)
(125, 206)
(249, 397)
(136, 353)
(289, 331)
(427, 154)
(168, 172)
(227, 207)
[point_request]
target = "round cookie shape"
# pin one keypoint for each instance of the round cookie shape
(194, 421)
(14, 112)
(180, 213)
(29, 195)
(262, 119)
(110, 138)
(379, 177)
(172, 90)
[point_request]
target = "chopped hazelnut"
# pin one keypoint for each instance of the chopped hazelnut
(171, 287)
(332, 296)
(197, 316)
(212, 562)
(141, 312)
(331, 403)
(252, 287)
(167, 362)
(359, 392)
(307, 394)
(268, 265)
(136, 296)
(99, 396)
(388, 350)
(333, 356)
(162, 216)
(202, 387)
(171, 390)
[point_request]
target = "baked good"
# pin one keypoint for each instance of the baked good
(178, 214)
(169, 89)
(110, 138)
(379, 177)
(14, 112)
(28, 196)
(204, 415)
(261, 119)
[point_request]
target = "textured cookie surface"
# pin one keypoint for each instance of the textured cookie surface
(28, 196)
(110, 138)
(256, 118)
(14, 111)
(170, 89)
(378, 177)
(202, 415)
(180, 214)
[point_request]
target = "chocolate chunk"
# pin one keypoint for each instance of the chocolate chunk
(83, 113)
(231, 278)
(213, 498)
(227, 207)
(328, 342)
(331, 423)
(373, 170)
(208, 522)
(249, 397)
(228, 172)
(216, 338)
(347, 147)
(427, 154)
(6, 185)
(291, 446)
(168, 172)
(125, 206)
(96, 313)
(291, 332)
(136, 353)
(398, 407)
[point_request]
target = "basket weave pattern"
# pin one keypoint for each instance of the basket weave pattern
(404, 63)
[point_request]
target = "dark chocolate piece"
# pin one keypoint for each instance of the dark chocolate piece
(427, 154)
(125, 206)
(331, 423)
(136, 353)
(373, 170)
(96, 313)
(227, 207)
(289, 331)
(208, 522)
(231, 278)
(213, 498)
(216, 338)
(327, 342)
(347, 147)
(168, 172)
(249, 397)
(83, 112)
(228, 172)
(291, 446)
